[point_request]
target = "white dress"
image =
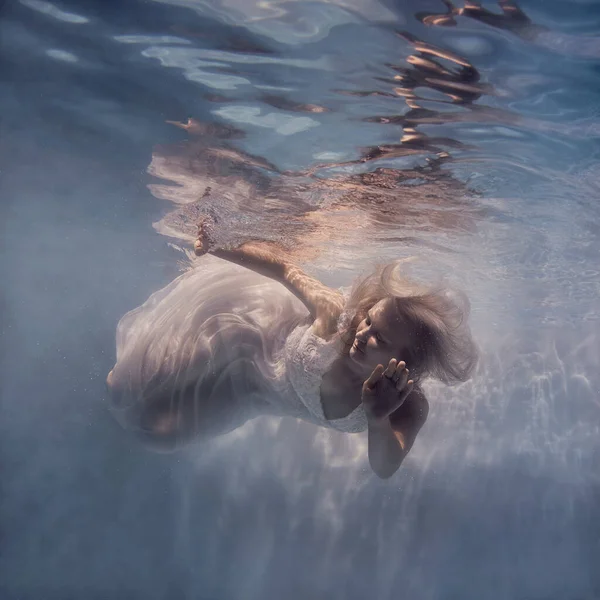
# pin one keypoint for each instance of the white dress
(222, 327)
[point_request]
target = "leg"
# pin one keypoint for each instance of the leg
(166, 421)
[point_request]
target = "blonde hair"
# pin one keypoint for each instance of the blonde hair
(443, 347)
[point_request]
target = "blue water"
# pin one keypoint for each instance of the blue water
(369, 131)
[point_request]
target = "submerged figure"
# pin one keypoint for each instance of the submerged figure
(246, 333)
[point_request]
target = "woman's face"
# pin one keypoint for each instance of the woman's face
(384, 334)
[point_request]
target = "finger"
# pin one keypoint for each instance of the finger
(374, 377)
(399, 368)
(401, 379)
(408, 388)
(391, 368)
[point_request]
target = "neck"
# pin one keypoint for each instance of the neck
(352, 371)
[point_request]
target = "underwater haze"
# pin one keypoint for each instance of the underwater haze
(462, 136)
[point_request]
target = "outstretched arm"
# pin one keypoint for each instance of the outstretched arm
(324, 304)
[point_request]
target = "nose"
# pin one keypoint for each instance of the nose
(362, 334)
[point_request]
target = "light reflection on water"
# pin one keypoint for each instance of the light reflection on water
(464, 136)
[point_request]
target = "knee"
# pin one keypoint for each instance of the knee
(163, 430)
(158, 425)
(133, 411)
(154, 418)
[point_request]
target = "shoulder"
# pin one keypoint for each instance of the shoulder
(328, 306)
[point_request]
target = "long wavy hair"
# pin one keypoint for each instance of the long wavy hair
(443, 347)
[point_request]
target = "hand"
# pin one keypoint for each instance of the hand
(385, 390)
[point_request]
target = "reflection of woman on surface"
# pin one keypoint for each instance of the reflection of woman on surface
(227, 342)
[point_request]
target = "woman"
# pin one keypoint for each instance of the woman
(247, 333)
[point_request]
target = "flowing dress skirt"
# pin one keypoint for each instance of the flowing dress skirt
(204, 354)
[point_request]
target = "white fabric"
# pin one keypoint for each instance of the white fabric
(221, 322)
(307, 358)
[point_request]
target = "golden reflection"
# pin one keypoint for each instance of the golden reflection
(303, 212)
(511, 18)
(329, 203)
(454, 82)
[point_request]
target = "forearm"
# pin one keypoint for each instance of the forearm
(386, 453)
(260, 260)
(323, 302)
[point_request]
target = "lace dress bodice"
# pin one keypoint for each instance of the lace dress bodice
(307, 358)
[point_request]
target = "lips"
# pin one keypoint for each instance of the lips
(357, 347)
